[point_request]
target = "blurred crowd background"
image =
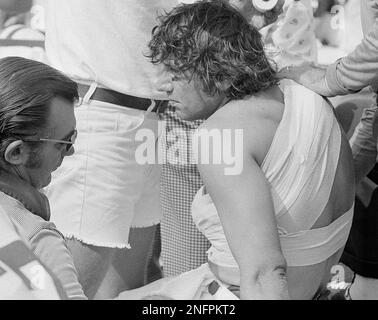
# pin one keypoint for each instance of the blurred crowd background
(325, 31)
(336, 25)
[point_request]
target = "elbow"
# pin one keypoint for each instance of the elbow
(268, 280)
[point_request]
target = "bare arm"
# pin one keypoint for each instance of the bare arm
(50, 247)
(246, 211)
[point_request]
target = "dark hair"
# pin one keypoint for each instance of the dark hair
(27, 88)
(215, 43)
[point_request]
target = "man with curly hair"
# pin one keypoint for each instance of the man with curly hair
(183, 247)
(277, 226)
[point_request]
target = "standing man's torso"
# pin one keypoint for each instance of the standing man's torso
(105, 41)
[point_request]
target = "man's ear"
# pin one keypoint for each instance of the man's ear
(16, 153)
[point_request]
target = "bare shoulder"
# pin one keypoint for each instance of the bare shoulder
(257, 116)
(259, 108)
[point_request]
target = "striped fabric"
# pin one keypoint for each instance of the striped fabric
(183, 246)
(27, 224)
(47, 243)
(22, 275)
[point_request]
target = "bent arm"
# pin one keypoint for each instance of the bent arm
(50, 247)
(245, 207)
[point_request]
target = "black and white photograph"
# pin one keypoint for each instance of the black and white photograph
(207, 151)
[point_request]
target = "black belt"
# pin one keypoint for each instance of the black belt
(120, 99)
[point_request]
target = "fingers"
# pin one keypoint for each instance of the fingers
(294, 72)
(281, 74)
(286, 73)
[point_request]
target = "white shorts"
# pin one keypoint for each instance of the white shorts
(101, 191)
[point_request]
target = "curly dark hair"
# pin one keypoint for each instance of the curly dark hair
(215, 43)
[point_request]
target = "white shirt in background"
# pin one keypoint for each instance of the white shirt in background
(105, 41)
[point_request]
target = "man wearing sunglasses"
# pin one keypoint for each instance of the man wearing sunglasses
(65, 143)
(45, 154)
(37, 131)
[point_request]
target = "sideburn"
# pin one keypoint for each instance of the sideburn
(34, 160)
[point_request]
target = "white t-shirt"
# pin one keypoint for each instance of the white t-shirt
(105, 41)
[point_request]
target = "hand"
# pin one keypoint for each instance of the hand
(308, 75)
